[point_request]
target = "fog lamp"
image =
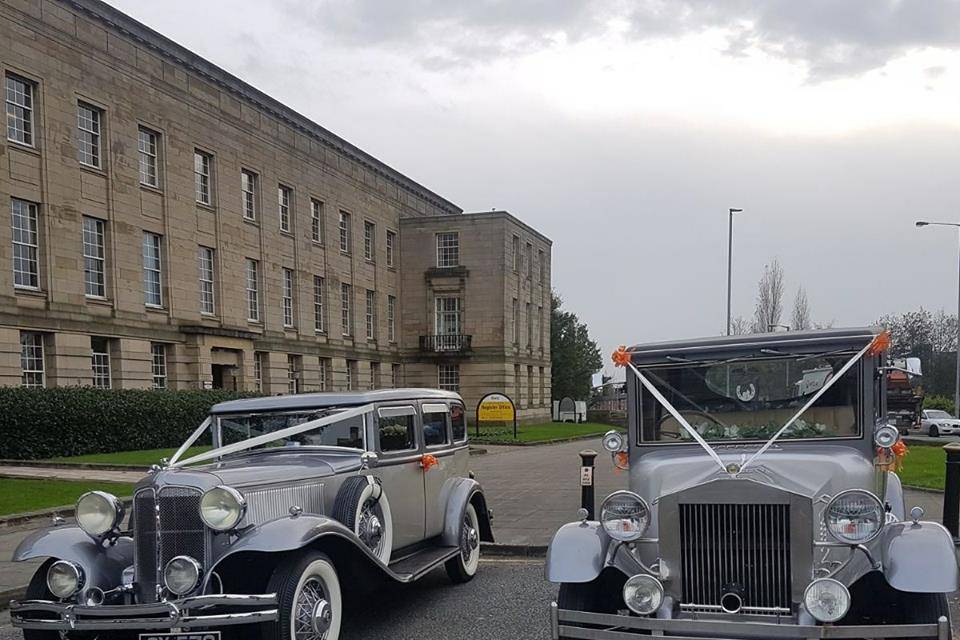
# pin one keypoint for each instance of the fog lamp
(612, 441)
(643, 594)
(181, 575)
(854, 516)
(222, 508)
(99, 513)
(64, 578)
(624, 515)
(886, 436)
(826, 600)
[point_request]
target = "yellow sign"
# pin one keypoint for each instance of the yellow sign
(495, 407)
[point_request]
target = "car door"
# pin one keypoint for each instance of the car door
(398, 445)
(436, 442)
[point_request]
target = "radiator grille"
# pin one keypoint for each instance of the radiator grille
(145, 544)
(181, 533)
(736, 546)
(264, 505)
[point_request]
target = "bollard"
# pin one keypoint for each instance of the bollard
(951, 490)
(587, 457)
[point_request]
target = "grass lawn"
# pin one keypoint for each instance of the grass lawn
(143, 458)
(924, 466)
(537, 432)
(18, 495)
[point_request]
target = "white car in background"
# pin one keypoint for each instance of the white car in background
(936, 422)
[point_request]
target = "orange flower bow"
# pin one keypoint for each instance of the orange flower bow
(880, 344)
(620, 357)
(427, 461)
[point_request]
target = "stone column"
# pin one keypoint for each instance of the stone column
(131, 364)
(69, 360)
(10, 358)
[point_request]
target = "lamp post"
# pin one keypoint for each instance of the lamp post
(731, 211)
(956, 391)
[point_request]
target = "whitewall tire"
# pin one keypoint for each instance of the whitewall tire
(310, 600)
(362, 506)
(463, 566)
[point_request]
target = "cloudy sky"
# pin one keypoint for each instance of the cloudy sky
(624, 131)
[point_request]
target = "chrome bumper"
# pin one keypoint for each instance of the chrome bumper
(565, 623)
(187, 613)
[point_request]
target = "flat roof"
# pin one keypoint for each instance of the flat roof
(472, 216)
(329, 399)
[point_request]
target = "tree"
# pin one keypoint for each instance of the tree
(801, 311)
(574, 357)
(930, 337)
(739, 326)
(769, 307)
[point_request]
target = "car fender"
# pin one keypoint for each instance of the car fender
(577, 552)
(919, 558)
(102, 564)
(455, 495)
(894, 495)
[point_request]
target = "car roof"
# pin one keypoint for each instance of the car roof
(815, 340)
(329, 399)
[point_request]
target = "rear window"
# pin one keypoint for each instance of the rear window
(435, 424)
(397, 430)
(458, 420)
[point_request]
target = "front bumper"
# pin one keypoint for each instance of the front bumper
(565, 623)
(219, 610)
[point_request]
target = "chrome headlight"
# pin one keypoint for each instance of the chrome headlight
(826, 600)
(643, 594)
(99, 513)
(64, 578)
(624, 515)
(886, 436)
(854, 516)
(181, 575)
(222, 508)
(612, 441)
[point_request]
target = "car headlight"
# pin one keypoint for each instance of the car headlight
(624, 515)
(64, 578)
(826, 600)
(612, 441)
(99, 513)
(222, 508)
(854, 516)
(886, 436)
(181, 575)
(643, 594)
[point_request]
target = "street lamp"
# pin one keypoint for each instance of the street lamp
(956, 391)
(730, 262)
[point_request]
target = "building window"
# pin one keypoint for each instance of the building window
(346, 318)
(448, 318)
(344, 232)
(287, 276)
(351, 374)
(248, 184)
(89, 120)
(253, 290)
(283, 205)
(94, 258)
(448, 249)
(294, 367)
(152, 270)
(543, 383)
(159, 352)
(319, 322)
(375, 375)
(19, 98)
(542, 261)
(369, 240)
(529, 386)
(529, 326)
(316, 221)
(371, 315)
(516, 321)
(149, 145)
(258, 371)
(26, 244)
(392, 318)
(517, 385)
(395, 376)
(448, 377)
(529, 261)
(207, 300)
(31, 359)
(540, 325)
(391, 249)
(202, 163)
(100, 361)
(516, 254)
(324, 373)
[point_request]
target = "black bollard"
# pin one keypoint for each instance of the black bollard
(587, 457)
(951, 490)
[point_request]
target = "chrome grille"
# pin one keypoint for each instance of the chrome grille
(145, 544)
(264, 505)
(742, 547)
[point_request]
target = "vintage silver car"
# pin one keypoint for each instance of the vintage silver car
(299, 497)
(762, 501)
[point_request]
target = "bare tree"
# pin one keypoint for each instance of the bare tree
(739, 326)
(769, 307)
(801, 311)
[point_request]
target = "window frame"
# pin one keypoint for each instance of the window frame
(11, 107)
(258, 371)
(399, 411)
(156, 246)
(29, 243)
(158, 370)
(516, 253)
(284, 204)
(346, 309)
(203, 253)
(319, 309)
(391, 257)
(448, 254)
(369, 241)
(105, 361)
(26, 372)
(203, 178)
(252, 268)
(435, 407)
(148, 157)
(316, 221)
(98, 233)
(447, 386)
(294, 373)
(391, 318)
(370, 314)
(95, 134)
(288, 303)
(344, 226)
(249, 187)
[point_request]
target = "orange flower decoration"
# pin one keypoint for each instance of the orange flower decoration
(620, 357)
(892, 459)
(428, 461)
(879, 344)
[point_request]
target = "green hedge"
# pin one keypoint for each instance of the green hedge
(69, 421)
(939, 402)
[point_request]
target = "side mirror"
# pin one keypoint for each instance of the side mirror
(368, 460)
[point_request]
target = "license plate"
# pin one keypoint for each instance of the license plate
(188, 635)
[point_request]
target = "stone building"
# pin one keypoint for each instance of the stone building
(171, 226)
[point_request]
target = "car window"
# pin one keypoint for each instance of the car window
(458, 420)
(435, 424)
(343, 433)
(397, 430)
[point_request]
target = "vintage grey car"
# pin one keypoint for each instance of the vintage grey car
(762, 501)
(298, 498)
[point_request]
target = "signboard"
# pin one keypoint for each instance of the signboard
(497, 407)
(586, 476)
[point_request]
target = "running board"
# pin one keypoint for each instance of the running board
(414, 566)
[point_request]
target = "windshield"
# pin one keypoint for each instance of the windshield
(750, 400)
(343, 433)
(936, 414)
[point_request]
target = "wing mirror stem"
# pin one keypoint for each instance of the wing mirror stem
(368, 460)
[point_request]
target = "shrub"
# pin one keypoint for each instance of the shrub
(69, 421)
(939, 402)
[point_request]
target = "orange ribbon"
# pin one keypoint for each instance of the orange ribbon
(892, 459)
(621, 462)
(427, 461)
(620, 357)
(879, 344)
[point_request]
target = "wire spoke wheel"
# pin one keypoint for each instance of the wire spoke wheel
(312, 611)
(370, 526)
